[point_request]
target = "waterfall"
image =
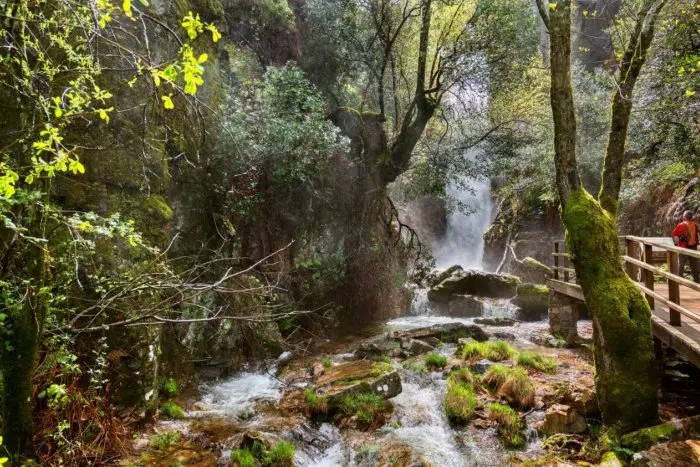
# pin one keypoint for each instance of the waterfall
(463, 241)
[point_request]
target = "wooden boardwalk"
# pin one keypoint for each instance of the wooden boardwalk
(675, 301)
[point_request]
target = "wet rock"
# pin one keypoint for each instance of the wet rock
(416, 347)
(685, 453)
(463, 306)
(580, 396)
(545, 339)
(449, 332)
(672, 431)
(446, 273)
(480, 367)
(495, 321)
(532, 301)
(434, 341)
(475, 282)
(363, 376)
(562, 418)
(370, 350)
(503, 336)
(400, 455)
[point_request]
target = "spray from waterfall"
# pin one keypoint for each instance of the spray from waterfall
(463, 242)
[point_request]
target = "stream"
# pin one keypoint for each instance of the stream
(257, 401)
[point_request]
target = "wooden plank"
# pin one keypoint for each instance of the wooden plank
(556, 260)
(674, 290)
(566, 288)
(671, 305)
(676, 339)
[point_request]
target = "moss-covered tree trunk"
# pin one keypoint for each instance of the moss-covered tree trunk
(626, 376)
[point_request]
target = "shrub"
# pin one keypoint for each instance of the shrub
(280, 455)
(510, 426)
(367, 408)
(326, 362)
(537, 361)
(460, 402)
(518, 389)
(462, 376)
(495, 351)
(165, 440)
(242, 458)
(315, 403)
(171, 410)
(495, 376)
(169, 388)
(435, 360)
(382, 358)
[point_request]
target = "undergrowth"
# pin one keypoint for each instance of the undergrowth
(495, 351)
(537, 361)
(510, 425)
(435, 360)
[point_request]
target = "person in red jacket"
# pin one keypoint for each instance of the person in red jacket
(685, 235)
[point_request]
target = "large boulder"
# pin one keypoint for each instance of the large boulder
(448, 332)
(562, 418)
(530, 270)
(461, 306)
(675, 430)
(532, 301)
(475, 282)
(685, 453)
(362, 376)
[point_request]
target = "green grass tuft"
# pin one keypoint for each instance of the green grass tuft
(495, 351)
(315, 403)
(460, 402)
(495, 376)
(537, 361)
(463, 375)
(510, 425)
(326, 362)
(367, 408)
(513, 384)
(165, 440)
(280, 455)
(243, 458)
(435, 360)
(417, 367)
(170, 409)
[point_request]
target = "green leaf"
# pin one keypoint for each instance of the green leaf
(144, 2)
(168, 102)
(202, 58)
(126, 6)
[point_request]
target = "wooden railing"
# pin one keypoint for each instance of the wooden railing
(641, 257)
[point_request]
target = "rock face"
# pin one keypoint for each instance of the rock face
(685, 453)
(363, 376)
(532, 271)
(475, 282)
(461, 306)
(562, 418)
(533, 301)
(449, 332)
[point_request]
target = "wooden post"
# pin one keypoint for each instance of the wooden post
(556, 260)
(631, 250)
(566, 265)
(674, 290)
(648, 274)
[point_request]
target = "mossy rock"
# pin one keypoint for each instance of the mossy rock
(531, 270)
(449, 333)
(363, 376)
(533, 301)
(610, 459)
(645, 438)
(475, 282)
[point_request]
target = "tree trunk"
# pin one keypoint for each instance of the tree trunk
(19, 358)
(626, 371)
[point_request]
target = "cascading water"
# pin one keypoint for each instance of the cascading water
(463, 242)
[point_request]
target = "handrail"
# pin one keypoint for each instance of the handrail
(663, 246)
(649, 251)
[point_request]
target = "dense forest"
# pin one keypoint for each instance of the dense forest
(320, 232)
